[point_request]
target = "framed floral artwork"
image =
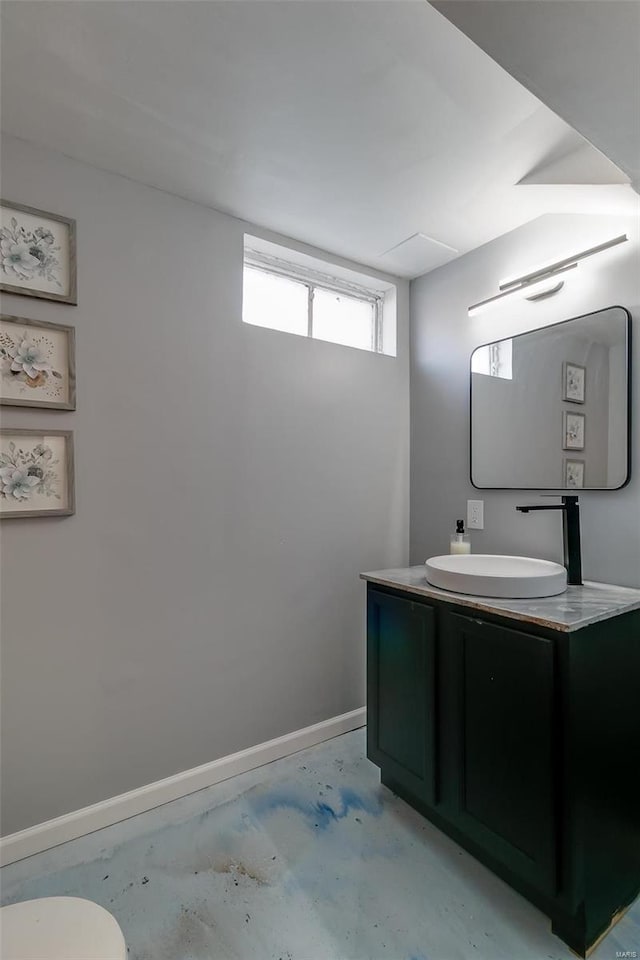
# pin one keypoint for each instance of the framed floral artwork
(573, 474)
(38, 253)
(36, 473)
(574, 378)
(37, 364)
(573, 430)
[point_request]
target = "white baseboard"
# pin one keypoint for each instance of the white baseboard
(17, 846)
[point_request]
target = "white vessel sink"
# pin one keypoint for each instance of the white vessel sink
(486, 575)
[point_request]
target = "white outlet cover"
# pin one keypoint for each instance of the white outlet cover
(475, 514)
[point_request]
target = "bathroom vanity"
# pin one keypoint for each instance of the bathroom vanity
(514, 726)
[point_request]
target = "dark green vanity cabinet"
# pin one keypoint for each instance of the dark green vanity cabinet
(519, 741)
(502, 735)
(401, 718)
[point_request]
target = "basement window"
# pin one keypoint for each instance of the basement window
(494, 360)
(294, 293)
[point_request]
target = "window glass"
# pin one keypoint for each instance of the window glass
(275, 302)
(493, 360)
(343, 319)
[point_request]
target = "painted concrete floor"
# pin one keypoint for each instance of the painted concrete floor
(308, 858)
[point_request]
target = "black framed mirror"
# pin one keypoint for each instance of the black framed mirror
(551, 408)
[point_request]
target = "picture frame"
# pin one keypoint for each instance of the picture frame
(574, 377)
(574, 474)
(37, 364)
(573, 430)
(36, 473)
(38, 253)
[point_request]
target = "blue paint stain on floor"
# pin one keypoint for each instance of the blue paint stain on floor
(318, 814)
(308, 858)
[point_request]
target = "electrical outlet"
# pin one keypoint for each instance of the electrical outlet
(475, 514)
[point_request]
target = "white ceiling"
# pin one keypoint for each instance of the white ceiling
(353, 126)
(581, 58)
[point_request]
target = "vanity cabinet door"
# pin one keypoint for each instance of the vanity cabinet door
(505, 745)
(401, 691)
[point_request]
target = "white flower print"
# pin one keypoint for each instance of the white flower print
(17, 259)
(29, 358)
(26, 254)
(26, 472)
(17, 482)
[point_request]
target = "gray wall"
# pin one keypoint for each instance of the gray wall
(616, 430)
(443, 337)
(231, 483)
(517, 424)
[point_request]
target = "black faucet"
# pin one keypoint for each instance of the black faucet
(570, 534)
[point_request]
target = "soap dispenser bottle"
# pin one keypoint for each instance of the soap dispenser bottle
(460, 542)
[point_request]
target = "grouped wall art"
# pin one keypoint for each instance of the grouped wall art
(574, 381)
(37, 362)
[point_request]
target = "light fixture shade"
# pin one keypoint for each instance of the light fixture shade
(543, 289)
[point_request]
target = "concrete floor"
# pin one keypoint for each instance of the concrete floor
(308, 858)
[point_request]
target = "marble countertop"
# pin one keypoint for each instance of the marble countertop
(569, 611)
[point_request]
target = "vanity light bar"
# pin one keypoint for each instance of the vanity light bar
(529, 279)
(523, 287)
(573, 261)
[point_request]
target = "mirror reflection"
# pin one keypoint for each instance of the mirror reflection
(550, 408)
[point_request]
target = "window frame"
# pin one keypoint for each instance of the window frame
(317, 280)
(499, 359)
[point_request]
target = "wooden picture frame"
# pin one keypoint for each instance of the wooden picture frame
(574, 474)
(574, 378)
(573, 430)
(51, 383)
(36, 470)
(38, 253)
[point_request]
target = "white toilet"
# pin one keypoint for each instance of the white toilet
(59, 928)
